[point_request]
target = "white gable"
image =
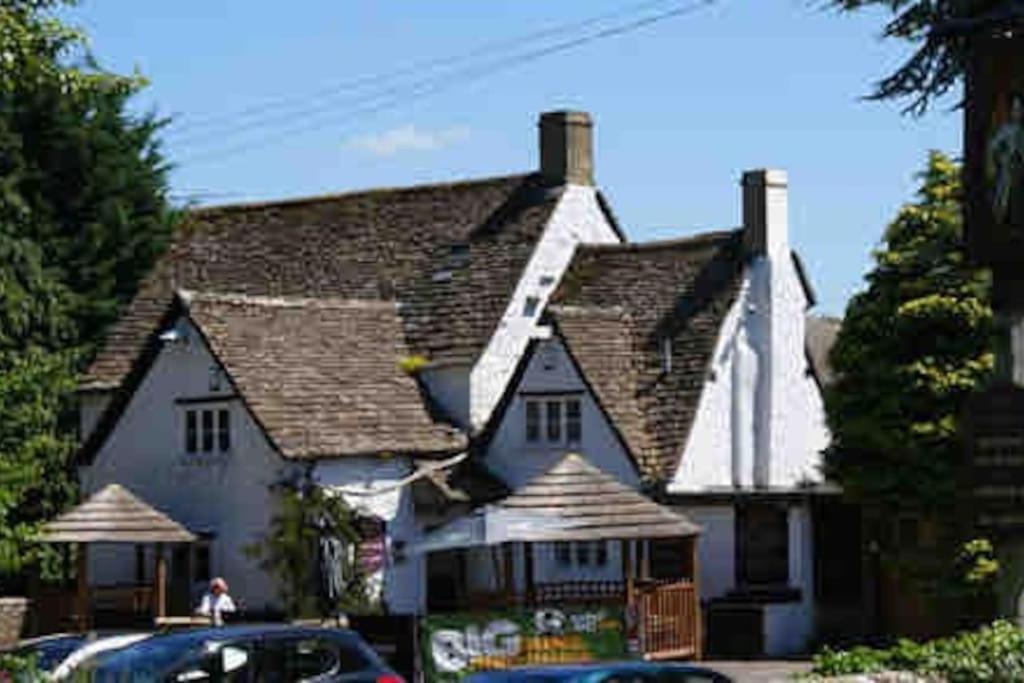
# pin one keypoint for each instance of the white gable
(551, 376)
(735, 441)
(224, 494)
(577, 219)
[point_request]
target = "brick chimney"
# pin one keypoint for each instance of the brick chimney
(566, 148)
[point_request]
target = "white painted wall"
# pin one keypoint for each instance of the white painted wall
(515, 460)
(225, 494)
(788, 627)
(91, 405)
(761, 420)
(577, 219)
(716, 548)
(369, 486)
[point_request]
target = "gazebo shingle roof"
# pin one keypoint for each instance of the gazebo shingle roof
(115, 515)
(585, 503)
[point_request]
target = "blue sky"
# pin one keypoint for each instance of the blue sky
(681, 107)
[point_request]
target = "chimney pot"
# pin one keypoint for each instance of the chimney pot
(566, 148)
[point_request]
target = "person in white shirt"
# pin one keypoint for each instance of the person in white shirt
(216, 602)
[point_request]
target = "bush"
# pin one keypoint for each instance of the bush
(18, 669)
(993, 653)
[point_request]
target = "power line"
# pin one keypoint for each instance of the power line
(432, 86)
(230, 120)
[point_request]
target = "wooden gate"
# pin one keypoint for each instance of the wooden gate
(669, 620)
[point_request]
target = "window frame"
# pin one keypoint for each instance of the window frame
(207, 429)
(554, 419)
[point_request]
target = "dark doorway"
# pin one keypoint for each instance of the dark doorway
(446, 574)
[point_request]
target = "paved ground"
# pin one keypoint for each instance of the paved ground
(759, 672)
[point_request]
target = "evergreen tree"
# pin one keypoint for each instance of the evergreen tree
(912, 348)
(89, 174)
(82, 218)
(940, 61)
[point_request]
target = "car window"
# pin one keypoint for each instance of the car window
(229, 663)
(310, 658)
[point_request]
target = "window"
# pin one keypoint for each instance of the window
(583, 554)
(573, 426)
(562, 420)
(578, 554)
(191, 431)
(223, 430)
(532, 421)
(530, 307)
(762, 536)
(554, 421)
(207, 430)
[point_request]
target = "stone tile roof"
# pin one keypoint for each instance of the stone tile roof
(821, 336)
(322, 376)
(581, 502)
(615, 308)
(451, 253)
(115, 515)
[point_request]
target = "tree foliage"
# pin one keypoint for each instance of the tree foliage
(83, 217)
(290, 550)
(940, 60)
(912, 347)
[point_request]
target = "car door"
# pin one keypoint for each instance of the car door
(310, 658)
(218, 663)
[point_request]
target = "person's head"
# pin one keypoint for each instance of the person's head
(218, 586)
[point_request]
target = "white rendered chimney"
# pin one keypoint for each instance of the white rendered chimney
(770, 331)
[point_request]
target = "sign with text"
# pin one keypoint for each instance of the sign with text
(456, 645)
(994, 150)
(996, 448)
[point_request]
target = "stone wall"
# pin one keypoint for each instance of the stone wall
(12, 620)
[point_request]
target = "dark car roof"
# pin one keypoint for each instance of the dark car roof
(571, 672)
(190, 637)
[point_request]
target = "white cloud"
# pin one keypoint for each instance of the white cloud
(408, 139)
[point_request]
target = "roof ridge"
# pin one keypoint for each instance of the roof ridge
(239, 299)
(334, 196)
(689, 241)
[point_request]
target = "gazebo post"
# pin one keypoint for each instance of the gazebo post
(82, 590)
(160, 583)
(699, 626)
(528, 569)
(627, 570)
(509, 572)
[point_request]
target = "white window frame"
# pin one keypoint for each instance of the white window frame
(546, 433)
(222, 430)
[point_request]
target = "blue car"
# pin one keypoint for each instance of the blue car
(607, 672)
(245, 654)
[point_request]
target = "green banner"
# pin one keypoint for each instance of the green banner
(456, 645)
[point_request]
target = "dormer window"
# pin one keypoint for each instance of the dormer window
(530, 307)
(554, 420)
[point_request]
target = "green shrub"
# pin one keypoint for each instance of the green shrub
(993, 653)
(19, 669)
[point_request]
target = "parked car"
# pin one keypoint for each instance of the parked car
(50, 650)
(61, 654)
(605, 672)
(246, 654)
(90, 649)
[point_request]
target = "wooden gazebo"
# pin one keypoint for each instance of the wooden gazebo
(114, 515)
(575, 501)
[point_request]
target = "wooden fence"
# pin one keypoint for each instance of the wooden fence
(669, 620)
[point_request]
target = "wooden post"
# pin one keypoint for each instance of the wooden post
(160, 583)
(82, 592)
(645, 559)
(694, 579)
(509, 572)
(528, 552)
